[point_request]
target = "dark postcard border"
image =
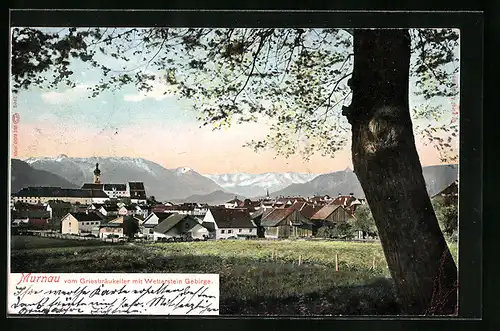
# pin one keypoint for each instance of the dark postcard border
(243, 18)
(471, 26)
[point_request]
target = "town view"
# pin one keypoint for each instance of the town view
(231, 151)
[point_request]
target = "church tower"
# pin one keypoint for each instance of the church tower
(97, 174)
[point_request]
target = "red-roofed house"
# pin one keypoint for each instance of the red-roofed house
(349, 202)
(321, 199)
(234, 203)
(330, 215)
(306, 209)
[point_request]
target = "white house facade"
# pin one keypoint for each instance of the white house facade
(111, 230)
(109, 211)
(146, 227)
(80, 223)
(178, 226)
(199, 232)
(230, 223)
(117, 190)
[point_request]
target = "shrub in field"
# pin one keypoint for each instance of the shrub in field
(325, 232)
(447, 215)
(364, 220)
(342, 230)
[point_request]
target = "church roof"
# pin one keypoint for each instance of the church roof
(48, 191)
(92, 186)
(136, 186)
(115, 187)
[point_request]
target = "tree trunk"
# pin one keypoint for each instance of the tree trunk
(387, 165)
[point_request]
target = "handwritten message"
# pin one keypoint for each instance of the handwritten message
(113, 294)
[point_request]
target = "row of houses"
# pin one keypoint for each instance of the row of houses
(293, 217)
(348, 201)
(297, 220)
(218, 223)
(85, 195)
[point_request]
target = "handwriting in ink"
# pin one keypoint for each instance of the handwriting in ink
(99, 300)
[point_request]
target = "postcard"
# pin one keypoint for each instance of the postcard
(257, 171)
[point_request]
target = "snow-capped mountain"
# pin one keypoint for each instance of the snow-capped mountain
(437, 178)
(160, 182)
(252, 185)
(183, 170)
(183, 182)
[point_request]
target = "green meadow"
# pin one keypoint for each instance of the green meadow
(257, 277)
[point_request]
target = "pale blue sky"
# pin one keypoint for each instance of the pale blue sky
(159, 127)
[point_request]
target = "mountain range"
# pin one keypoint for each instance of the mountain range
(214, 198)
(188, 185)
(436, 177)
(159, 182)
(252, 185)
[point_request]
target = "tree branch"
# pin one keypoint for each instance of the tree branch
(257, 52)
(329, 108)
(333, 90)
(423, 58)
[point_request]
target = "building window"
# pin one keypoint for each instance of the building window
(229, 231)
(240, 230)
(222, 231)
(69, 224)
(250, 230)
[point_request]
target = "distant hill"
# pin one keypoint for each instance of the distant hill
(215, 198)
(23, 175)
(436, 178)
(162, 183)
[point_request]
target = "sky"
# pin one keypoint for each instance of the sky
(155, 126)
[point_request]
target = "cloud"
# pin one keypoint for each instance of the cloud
(160, 90)
(69, 95)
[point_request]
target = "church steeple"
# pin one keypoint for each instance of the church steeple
(97, 174)
(267, 194)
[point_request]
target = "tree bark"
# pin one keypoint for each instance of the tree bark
(387, 165)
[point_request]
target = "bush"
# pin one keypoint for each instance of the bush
(447, 216)
(342, 230)
(325, 232)
(364, 220)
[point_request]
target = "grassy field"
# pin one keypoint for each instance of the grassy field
(36, 242)
(251, 281)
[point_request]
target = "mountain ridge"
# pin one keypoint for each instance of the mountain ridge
(437, 178)
(184, 183)
(23, 175)
(159, 181)
(218, 197)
